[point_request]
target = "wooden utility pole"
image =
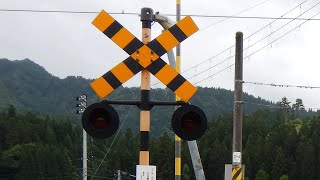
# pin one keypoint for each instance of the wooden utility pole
(237, 111)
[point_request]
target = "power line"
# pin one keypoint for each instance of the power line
(92, 154)
(62, 11)
(282, 26)
(113, 141)
(282, 85)
(247, 57)
(255, 17)
(60, 177)
(133, 13)
(275, 106)
(265, 105)
(214, 74)
(225, 18)
(281, 36)
(225, 50)
(201, 72)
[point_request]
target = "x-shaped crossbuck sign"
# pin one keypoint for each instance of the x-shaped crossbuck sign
(144, 56)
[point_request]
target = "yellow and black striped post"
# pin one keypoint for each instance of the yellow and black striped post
(237, 173)
(146, 18)
(177, 148)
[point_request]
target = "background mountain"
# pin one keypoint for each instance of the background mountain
(29, 87)
(277, 144)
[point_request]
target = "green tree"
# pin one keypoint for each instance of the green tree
(284, 177)
(285, 106)
(262, 175)
(297, 107)
(279, 165)
(163, 155)
(11, 111)
(185, 172)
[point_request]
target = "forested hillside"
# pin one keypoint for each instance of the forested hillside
(44, 148)
(40, 135)
(29, 87)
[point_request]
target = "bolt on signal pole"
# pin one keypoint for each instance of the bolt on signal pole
(237, 111)
(146, 19)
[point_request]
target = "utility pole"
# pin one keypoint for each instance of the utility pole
(237, 110)
(83, 105)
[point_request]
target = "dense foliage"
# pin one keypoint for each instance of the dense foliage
(29, 87)
(44, 148)
(43, 140)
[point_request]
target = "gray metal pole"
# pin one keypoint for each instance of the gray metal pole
(237, 111)
(119, 174)
(196, 160)
(84, 155)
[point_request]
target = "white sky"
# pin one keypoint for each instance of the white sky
(68, 44)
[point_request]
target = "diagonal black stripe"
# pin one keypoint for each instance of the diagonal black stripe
(133, 46)
(156, 66)
(177, 33)
(236, 174)
(156, 47)
(144, 140)
(112, 79)
(176, 83)
(113, 29)
(133, 65)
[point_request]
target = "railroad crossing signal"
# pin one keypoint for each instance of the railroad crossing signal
(100, 120)
(144, 56)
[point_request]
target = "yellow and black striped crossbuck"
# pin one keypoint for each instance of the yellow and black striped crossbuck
(144, 56)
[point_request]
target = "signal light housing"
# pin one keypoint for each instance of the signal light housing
(100, 120)
(189, 122)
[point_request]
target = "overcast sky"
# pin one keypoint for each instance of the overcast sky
(68, 44)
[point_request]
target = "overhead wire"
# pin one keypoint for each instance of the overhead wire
(58, 177)
(254, 33)
(113, 141)
(259, 104)
(92, 154)
(288, 32)
(193, 15)
(281, 85)
(228, 17)
(275, 106)
(283, 26)
(259, 48)
(281, 36)
(227, 49)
